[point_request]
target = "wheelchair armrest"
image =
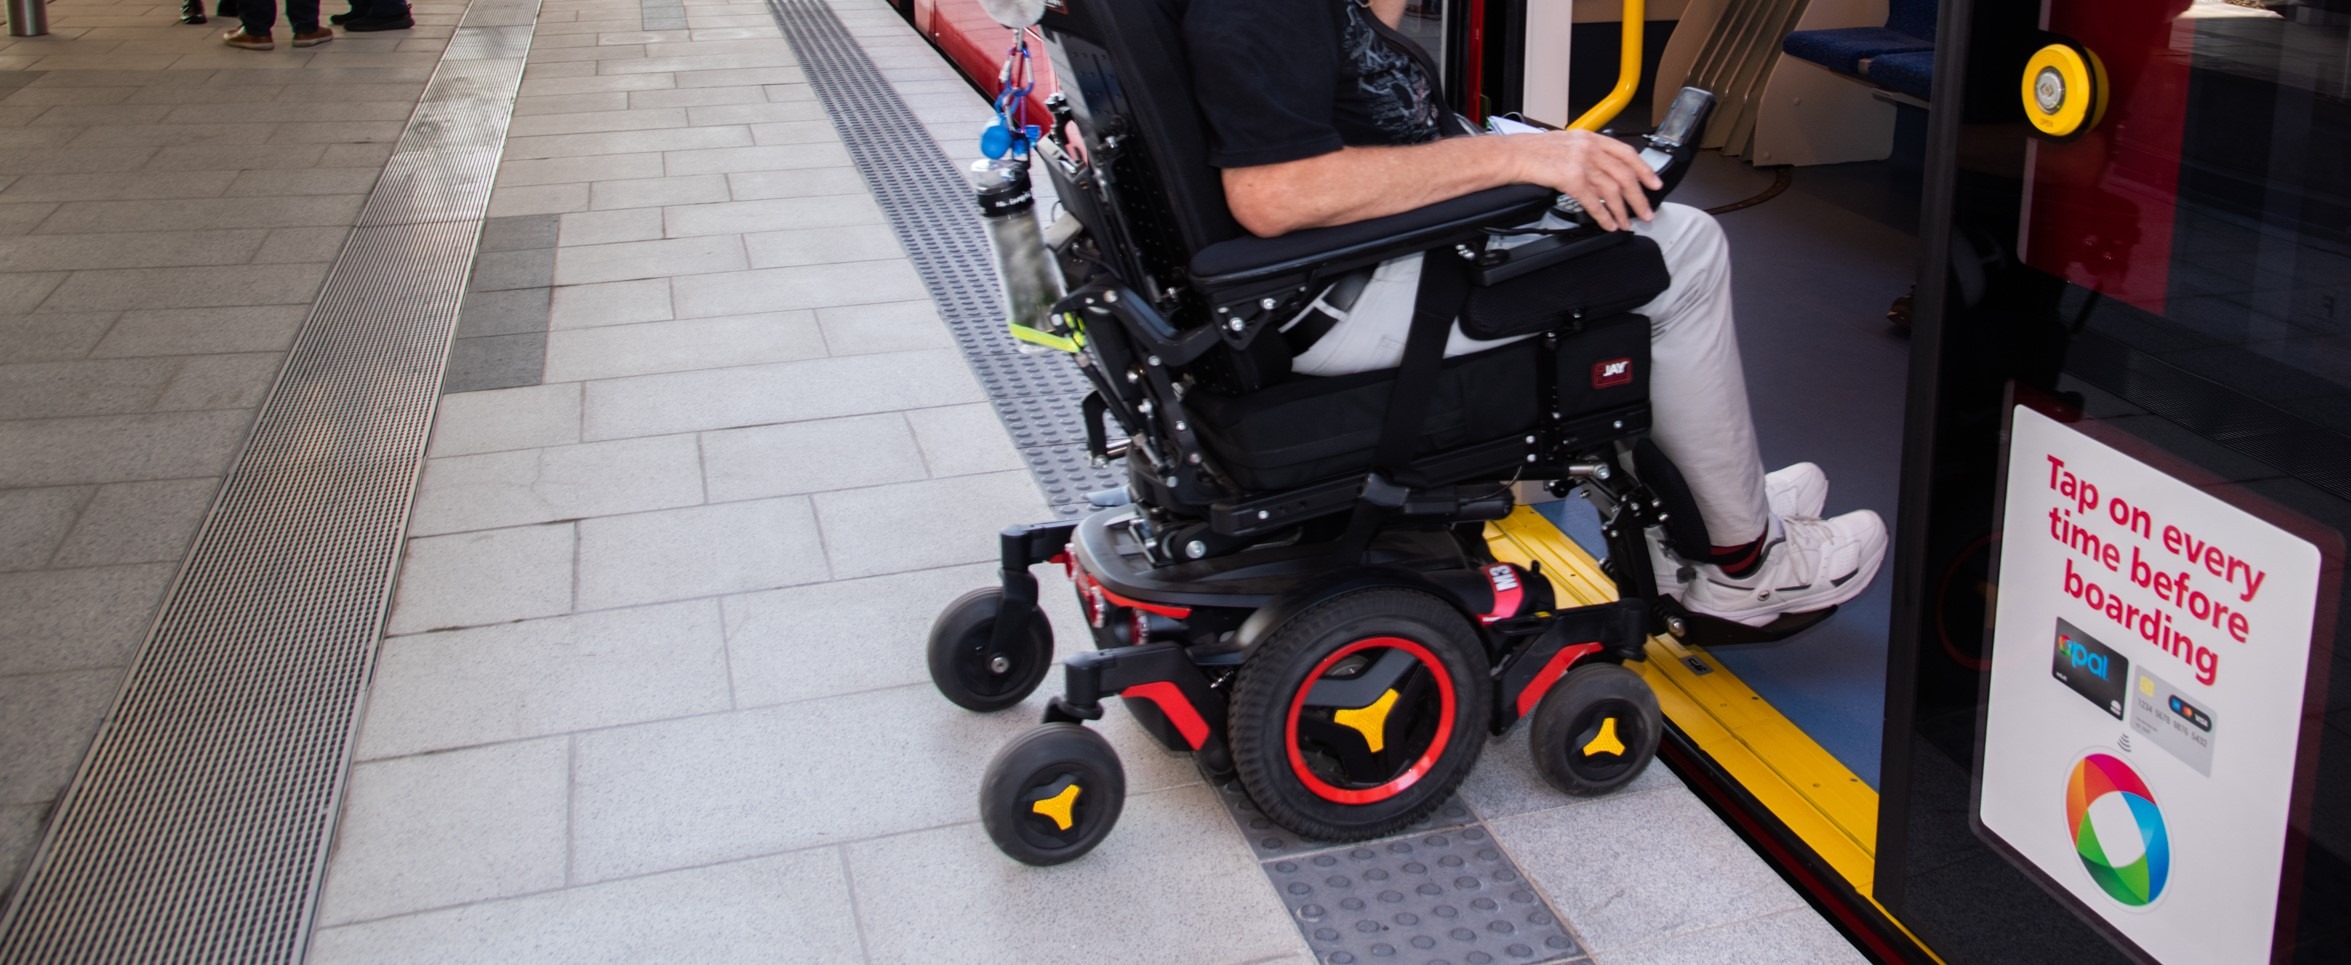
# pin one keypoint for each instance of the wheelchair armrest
(1249, 263)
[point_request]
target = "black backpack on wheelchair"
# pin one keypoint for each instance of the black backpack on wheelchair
(1298, 590)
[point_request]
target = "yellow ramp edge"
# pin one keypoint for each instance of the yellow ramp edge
(1804, 786)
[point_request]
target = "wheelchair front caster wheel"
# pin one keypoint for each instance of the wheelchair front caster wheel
(1052, 794)
(968, 667)
(1596, 730)
(1360, 715)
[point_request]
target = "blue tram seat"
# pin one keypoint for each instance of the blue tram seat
(1907, 39)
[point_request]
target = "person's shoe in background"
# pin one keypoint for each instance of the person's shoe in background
(240, 39)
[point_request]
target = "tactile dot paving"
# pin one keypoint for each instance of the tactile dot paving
(1049, 421)
(1067, 474)
(1023, 376)
(1271, 840)
(1444, 896)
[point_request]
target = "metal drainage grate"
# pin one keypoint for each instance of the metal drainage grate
(197, 827)
(930, 208)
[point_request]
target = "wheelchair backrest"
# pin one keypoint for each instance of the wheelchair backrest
(1122, 65)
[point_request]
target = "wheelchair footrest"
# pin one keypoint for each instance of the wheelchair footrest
(1702, 630)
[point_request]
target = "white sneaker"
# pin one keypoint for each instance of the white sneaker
(1808, 564)
(1797, 491)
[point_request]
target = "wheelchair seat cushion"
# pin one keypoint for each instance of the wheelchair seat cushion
(1308, 430)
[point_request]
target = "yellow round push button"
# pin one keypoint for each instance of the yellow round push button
(2064, 90)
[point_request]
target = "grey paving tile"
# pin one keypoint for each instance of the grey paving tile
(46, 390)
(698, 551)
(610, 303)
(821, 246)
(34, 521)
(190, 331)
(154, 288)
(46, 723)
(781, 392)
(656, 192)
(66, 160)
(726, 160)
(491, 576)
(221, 382)
(849, 636)
(495, 362)
(570, 103)
(152, 249)
(52, 336)
(117, 186)
(673, 346)
(606, 227)
(792, 907)
(17, 219)
(799, 286)
(26, 291)
(764, 112)
(624, 261)
(21, 827)
(499, 489)
(698, 97)
(1798, 937)
(796, 183)
(589, 122)
(509, 312)
(538, 199)
(866, 531)
(82, 217)
(140, 522)
(514, 173)
(57, 620)
(215, 157)
(170, 445)
(1204, 882)
(500, 270)
(528, 417)
(1629, 869)
(518, 233)
(538, 83)
(338, 132)
(740, 217)
(790, 91)
(277, 184)
(805, 457)
(794, 132)
(446, 829)
(959, 440)
(627, 142)
(546, 676)
(286, 246)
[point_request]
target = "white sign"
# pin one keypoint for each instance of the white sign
(2148, 659)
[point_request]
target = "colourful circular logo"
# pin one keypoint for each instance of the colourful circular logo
(2118, 830)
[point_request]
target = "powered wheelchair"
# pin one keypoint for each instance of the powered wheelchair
(1295, 586)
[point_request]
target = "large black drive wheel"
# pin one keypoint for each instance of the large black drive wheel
(1052, 794)
(1596, 730)
(1360, 715)
(968, 668)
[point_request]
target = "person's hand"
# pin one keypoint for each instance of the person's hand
(1601, 173)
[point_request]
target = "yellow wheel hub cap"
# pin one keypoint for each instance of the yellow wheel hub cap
(1371, 721)
(1606, 742)
(1057, 807)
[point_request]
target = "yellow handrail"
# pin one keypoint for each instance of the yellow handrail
(1628, 73)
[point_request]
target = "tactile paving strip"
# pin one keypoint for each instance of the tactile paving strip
(929, 206)
(1440, 897)
(1271, 840)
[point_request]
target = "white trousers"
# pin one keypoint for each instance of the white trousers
(1697, 389)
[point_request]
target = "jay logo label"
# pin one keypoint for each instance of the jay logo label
(1612, 373)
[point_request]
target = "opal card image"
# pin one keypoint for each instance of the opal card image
(2181, 723)
(2091, 668)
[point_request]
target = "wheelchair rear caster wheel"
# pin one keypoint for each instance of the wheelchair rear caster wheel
(1052, 794)
(1359, 716)
(968, 668)
(1596, 730)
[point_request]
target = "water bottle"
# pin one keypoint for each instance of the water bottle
(1026, 275)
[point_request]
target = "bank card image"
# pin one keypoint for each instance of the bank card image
(2178, 722)
(2091, 668)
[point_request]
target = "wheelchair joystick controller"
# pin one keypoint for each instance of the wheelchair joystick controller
(1027, 278)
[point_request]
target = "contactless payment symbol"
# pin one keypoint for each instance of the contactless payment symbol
(2118, 830)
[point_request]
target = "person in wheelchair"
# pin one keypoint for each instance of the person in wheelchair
(1320, 113)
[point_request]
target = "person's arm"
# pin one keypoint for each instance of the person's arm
(1356, 183)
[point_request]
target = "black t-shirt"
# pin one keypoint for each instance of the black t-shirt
(1280, 80)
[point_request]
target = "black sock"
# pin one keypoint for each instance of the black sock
(1741, 560)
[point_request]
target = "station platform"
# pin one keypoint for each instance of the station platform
(707, 451)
